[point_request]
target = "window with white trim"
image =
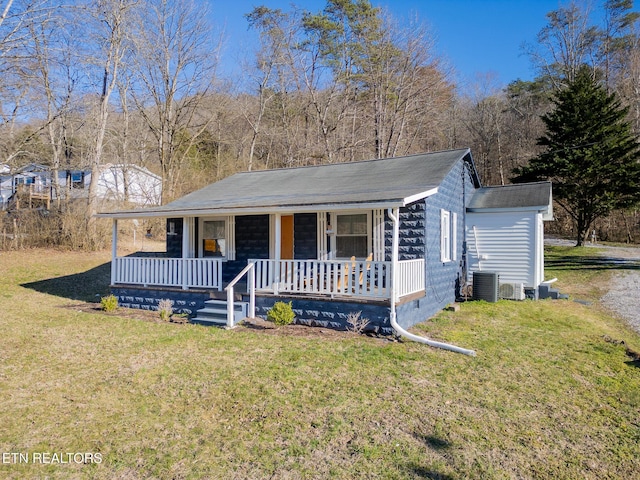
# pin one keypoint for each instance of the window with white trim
(214, 238)
(448, 236)
(352, 235)
(454, 236)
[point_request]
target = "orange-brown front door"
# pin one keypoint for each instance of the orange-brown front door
(286, 239)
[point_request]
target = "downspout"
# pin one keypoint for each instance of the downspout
(393, 215)
(480, 257)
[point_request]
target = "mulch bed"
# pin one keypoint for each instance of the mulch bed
(251, 324)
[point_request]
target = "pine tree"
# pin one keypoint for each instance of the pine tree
(590, 154)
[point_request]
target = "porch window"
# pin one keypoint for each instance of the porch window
(352, 235)
(214, 235)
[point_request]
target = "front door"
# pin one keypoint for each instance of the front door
(286, 237)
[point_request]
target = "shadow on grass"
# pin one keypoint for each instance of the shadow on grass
(420, 471)
(569, 262)
(434, 442)
(633, 363)
(87, 286)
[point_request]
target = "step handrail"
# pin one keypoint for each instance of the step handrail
(251, 285)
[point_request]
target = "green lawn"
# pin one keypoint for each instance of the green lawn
(546, 397)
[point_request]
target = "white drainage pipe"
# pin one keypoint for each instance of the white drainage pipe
(393, 215)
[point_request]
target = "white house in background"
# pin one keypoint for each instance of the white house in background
(129, 183)
(505, 233)
(119, 183)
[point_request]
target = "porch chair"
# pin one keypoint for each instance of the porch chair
(349, 269)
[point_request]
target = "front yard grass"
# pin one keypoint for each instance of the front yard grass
(548, 396)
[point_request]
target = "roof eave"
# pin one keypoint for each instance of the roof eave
(544, 209)
(198, 212)
(419, 196)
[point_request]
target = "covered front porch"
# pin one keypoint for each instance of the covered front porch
(259, 254)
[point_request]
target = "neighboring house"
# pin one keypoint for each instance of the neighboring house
(32, 180)
(385, 238)
(119, 183)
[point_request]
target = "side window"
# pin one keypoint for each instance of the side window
(445, 236)
(75, 179)
(454, 236)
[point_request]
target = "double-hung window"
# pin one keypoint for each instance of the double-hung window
(448, 236)
(352, 237)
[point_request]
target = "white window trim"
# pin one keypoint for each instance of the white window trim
(334, 225)
(228, 238)
(445, 236)
(378, 235)
(454, 236)
(321, 222)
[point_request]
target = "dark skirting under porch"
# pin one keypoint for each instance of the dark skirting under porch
(330, 313)
(145, 298)
(311, 311)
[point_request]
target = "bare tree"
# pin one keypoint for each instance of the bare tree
(382, 78)
(629, 84)
(52, 50)
(16, 71)
(567, 42)
(109, 40)
(176, 60)
(272, 66)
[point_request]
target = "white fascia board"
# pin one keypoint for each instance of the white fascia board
(547, 214)
(539, 209)
(419, 196)
(288, 209)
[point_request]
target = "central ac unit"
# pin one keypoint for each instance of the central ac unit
(511, 291)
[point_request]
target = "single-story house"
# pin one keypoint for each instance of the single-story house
(119, 183)
(386, 238)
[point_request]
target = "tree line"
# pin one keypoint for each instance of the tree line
(138, 82)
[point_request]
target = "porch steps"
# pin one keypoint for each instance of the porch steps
(214, 313)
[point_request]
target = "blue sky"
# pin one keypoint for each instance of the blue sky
(474, 36)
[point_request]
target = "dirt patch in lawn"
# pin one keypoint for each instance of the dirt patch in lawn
(132, 313)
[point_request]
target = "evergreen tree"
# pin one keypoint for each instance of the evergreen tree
(590, 153)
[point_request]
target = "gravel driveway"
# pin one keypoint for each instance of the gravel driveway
(624, 290)
(623, 296)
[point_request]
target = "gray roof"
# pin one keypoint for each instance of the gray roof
(384, 181)
(523, 196)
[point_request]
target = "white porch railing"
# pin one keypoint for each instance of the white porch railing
(367, 279)
(361, 278)
(168, 272)
(250, 272)
(410, 277)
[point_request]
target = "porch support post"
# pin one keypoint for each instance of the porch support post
(394, 254)
(252, 292)
(186, 243)
(186, 237)
(114, 249)
(276, 253)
